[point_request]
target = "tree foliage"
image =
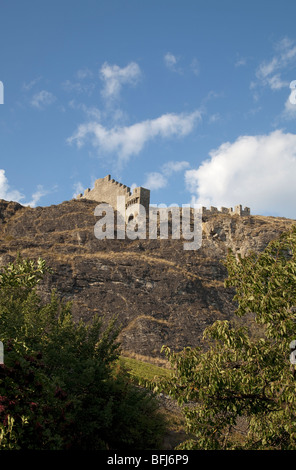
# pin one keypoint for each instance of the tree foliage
(60, 386)
(242, 378)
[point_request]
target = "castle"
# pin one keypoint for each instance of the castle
(107, 190)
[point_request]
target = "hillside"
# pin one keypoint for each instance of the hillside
(160, 293)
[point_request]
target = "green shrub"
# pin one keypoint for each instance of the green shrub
(242, 376)
(60, 387)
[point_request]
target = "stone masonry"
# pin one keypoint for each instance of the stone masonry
(238, 210)
(107, 190)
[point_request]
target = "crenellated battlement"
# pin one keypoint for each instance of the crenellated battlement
(107, 190)
(238, 210)
(115, 183)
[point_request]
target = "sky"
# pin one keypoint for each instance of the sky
(193, 99)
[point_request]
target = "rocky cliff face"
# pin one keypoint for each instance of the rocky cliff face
(160, 293)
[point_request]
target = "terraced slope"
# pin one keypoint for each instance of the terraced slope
(160, 293)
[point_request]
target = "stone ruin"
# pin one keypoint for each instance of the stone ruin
(238, 210)
(107, 190)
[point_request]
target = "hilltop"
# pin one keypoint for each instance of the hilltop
(161, 293)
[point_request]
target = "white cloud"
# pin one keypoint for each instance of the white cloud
(173, 167)
(276, 83)
(129, 140)
(157, 180)
(286, 49)
(84, 73)
(78, 189)
(269, 72)
(289, 111)
(267, 68)
(170, 60)
(82, 83)
(90, 111)
(14, 195)
(240, 62)
(42, 99)
(255, 171)
(31, 84)
(214, 118)
(172, 63)
(114, 77)
(195, 67)
(5, 191)
(78, 87)
(36, 196)
(70, 86)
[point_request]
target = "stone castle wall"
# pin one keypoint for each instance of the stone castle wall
(238, 210)
(107, 190)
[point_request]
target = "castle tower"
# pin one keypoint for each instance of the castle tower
(107, 190)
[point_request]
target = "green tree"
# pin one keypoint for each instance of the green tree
(244, 373)
(60, 387)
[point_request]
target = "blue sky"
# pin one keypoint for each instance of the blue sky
(191, 99)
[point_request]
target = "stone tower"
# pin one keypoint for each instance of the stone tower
(107, 190)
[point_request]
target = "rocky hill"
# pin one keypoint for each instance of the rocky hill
(160, 293)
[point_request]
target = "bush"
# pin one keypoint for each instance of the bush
(242, 376)
(60, 387)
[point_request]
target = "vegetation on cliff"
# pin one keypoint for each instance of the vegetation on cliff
(60, 385)
(245, 377)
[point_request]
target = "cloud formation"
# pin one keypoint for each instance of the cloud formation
(9, 194)
(170, 61)
(42, 98)
(36, 196)
(31, 84)
(240, 62)
(84, 73)
(255, 171)
(172, 167)
(78, 87)
(269, 72)
(6, 192)
(90, 111)
(126, 141)
(289, 111)
(78, 189)
(114, 77)
(195, 67)
(83, 82)
(157, 180)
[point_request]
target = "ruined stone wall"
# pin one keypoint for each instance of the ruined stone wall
(139, 196)
(238, 210)
(107, 190)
